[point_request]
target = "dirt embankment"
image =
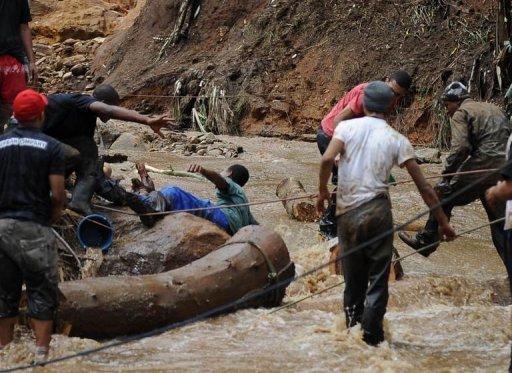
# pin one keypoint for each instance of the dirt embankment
(282, 64)
(268, 67)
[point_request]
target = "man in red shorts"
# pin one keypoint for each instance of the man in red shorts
(349, 107)
(15, 51)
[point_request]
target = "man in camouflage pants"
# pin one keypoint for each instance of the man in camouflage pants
(479, 137)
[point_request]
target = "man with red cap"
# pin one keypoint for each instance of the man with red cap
(15, 52)
(31, 198)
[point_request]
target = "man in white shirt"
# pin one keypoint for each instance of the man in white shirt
(369, 148)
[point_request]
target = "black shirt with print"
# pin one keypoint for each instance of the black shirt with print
(27, 159)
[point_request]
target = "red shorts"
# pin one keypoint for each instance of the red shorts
(12, 78)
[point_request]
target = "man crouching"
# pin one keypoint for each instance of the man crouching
(369, 148)
(31, 166)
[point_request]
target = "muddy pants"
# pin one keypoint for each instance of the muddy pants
(28, 254)
(81, 155)
(366, 270)
(328, 221)
(430, 233)
(86, 165)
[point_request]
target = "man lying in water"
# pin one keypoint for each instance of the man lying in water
(229, 190)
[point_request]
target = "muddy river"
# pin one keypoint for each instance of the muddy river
(451, 312)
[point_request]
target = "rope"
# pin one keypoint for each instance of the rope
(66, 245)
(207, 208)
(267, 290)
(482, 171)
(266, 202)
(288, 305)
(181, 96)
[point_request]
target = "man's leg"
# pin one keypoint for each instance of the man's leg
(328, 222)
(39, 266)
(375, 219)
(71, 159)
(11, 281)
(7, 330)
(12, 82)
(355, 269)
(450, 198)
(87, 174)
(497, 229)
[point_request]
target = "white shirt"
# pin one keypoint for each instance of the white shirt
(372, 148)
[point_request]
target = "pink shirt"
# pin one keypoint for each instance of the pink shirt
(353, 99)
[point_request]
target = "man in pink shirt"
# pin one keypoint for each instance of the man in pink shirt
(349, 107)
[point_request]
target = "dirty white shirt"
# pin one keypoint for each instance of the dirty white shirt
(372, 148)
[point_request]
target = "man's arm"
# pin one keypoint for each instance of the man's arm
(26, 38)
(345, 114)
(336, 147)
(430, 197)
(461, 146)
(214, 177)
(117, 112)
(58, 196)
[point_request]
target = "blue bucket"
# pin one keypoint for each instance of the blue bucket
(95, 231)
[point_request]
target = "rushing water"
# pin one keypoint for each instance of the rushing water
(451, 313)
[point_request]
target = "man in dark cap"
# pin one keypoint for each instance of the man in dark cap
(351, 106)
(369, 148)
(71, 119)
(479, 137)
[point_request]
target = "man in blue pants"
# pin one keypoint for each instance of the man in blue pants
(229, 190)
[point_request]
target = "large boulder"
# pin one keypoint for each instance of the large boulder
(428, 155)
(128, 142)
(173, 242)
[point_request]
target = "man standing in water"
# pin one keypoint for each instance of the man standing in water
(31, 166)
(369, 148)
(351, 106)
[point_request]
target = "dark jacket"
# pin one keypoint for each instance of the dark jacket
(479, 137)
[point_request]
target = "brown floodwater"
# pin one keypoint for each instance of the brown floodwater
(452, 311)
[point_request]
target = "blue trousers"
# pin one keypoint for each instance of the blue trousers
(178, 199)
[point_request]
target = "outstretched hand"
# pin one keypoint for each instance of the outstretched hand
(158, 123)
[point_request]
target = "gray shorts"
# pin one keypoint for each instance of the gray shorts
(28, 254)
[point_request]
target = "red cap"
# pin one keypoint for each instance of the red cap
(29, 105)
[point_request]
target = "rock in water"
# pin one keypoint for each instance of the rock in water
(298, 209)
(173, 242)
(128, 142)
(428, 155)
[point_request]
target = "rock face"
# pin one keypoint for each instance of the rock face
(173, 242)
